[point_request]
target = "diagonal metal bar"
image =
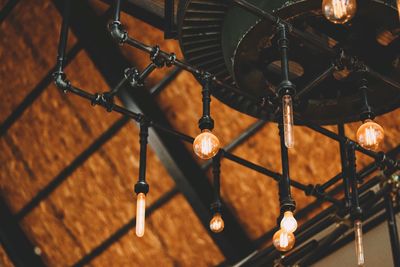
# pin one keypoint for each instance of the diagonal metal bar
(7, 9)
(16, 244)
(190, 179)
(245, 135)
(117, 235)
(67, 171)
(35, 93)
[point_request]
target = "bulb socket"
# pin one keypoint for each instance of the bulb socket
(216, 207)
(286, 87)
(141, 187)
(206, 122)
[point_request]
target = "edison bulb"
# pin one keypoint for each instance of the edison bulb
(359, 242)
(283, 241)
(140, 214)
(370, 134)
(287, 106)
(206, 145)
(217, 223)
(339, 11)
(288, 222)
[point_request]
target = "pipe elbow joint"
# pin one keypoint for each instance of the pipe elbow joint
(117, 32)
(60, 80)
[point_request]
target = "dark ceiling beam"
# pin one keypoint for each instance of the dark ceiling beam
(35, 93)
(8, 7)
(16, 244)
(188, 176)
(75, 164)
(146, 11)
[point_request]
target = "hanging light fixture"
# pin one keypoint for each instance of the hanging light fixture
(217, 223)
(286, 88)
(339, 11)
(369, 134)
(141, 187)
(206, 144)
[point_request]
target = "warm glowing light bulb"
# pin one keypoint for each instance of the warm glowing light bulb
(140, 214)
(283, 241)
(370, 134)
(339, 11)
(359, 243)
(288, 222)
(217, 223)
(206, 145)
(287, 106)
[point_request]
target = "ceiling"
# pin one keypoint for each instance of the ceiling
(67, 169)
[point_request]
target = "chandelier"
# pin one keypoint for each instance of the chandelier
(268, 91)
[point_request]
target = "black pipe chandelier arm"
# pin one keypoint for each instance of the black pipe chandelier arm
(356, 211)
(286, 87)
(141, 186)
(366, 110)
(216, 206)
(285, 197)
(206, 121)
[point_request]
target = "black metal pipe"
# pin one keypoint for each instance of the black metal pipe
(317, 80)
(117, 10)
(144, 133)
(206, 122)
(62, 45)
(146, 72)
(285, 196)
(387, 80)
(216, 162)
(300, 253)
(356, 211)
(345, 166)
(331, 181)
(245, 135)
(311, 39)
(393, 232)
(283, 44)
(324, 244)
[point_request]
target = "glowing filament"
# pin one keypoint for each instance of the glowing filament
(359, 243)
(288, 222)
(140, 214)
(287, 107)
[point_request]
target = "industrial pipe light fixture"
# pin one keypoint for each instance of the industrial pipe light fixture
(282, 105)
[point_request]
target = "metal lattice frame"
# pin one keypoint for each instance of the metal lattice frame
(382, 160)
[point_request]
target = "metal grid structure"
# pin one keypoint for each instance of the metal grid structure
(138, 105)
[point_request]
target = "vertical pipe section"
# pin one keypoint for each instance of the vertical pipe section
(63, 37)
(285, 197)
(344, 163)
(393, 232)
(117, 10)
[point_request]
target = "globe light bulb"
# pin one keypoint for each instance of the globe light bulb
(370, 134)
(287, 106)
(206, 145)
(359, 243)
(283, 241)
(288, 222)
(339, 11)
(217, 223)
(140, 214)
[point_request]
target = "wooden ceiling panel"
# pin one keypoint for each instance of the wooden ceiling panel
(174, 237)
(27, 53)
(67, 123)
(95, 201)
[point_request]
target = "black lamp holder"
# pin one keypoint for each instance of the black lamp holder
(141, 186)
(206, 122)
